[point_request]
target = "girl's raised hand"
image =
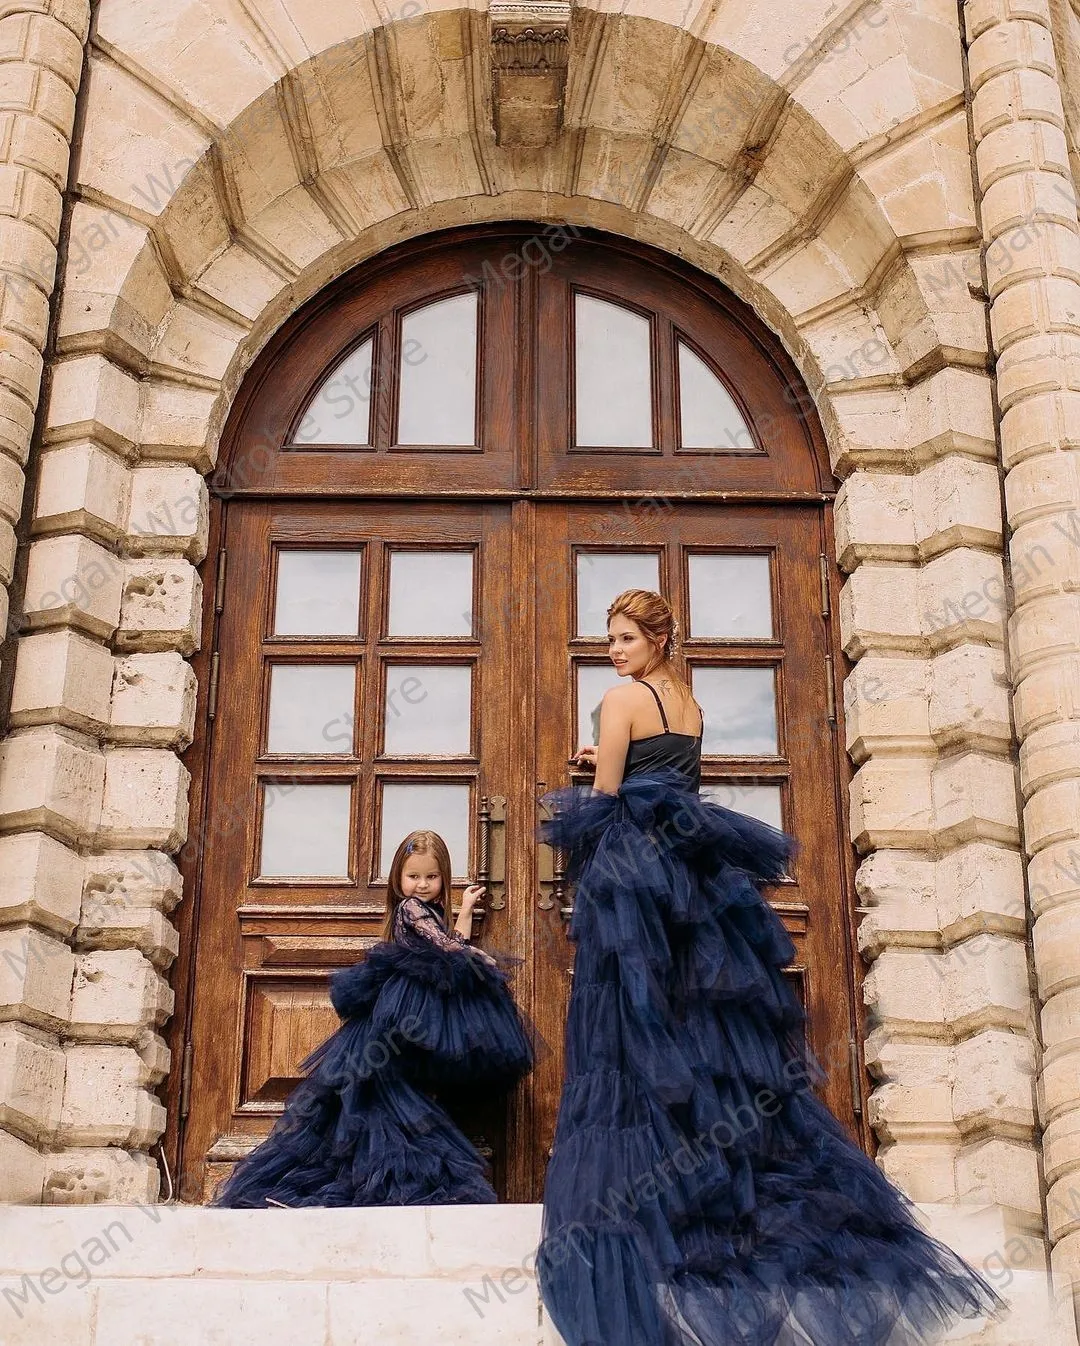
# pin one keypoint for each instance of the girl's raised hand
(472, 894)
(585, 756)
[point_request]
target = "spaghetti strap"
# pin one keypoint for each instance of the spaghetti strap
(659, 704)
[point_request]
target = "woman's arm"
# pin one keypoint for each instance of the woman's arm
(616, 718)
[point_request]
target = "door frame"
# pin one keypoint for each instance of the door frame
(197, 758)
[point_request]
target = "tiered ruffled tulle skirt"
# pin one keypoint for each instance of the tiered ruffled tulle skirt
(361, 1128)
(699, 1194)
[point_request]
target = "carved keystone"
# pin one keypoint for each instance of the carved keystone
(530, 50)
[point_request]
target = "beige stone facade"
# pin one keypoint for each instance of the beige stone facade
(894, 196)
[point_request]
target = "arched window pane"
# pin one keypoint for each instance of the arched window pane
(708, 416)
(437, 399)
(340, 410)
(613, 376)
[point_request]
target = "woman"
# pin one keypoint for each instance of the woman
(698, 1192)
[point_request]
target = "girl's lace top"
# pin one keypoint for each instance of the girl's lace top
(416, 919)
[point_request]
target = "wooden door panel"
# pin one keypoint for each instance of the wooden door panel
(268, 937)
(803, 765)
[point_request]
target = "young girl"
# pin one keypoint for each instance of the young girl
(699, 1191)
(423, 1011)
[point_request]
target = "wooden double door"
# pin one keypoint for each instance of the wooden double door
(382, 666)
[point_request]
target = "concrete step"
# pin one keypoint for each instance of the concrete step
(403, 1276)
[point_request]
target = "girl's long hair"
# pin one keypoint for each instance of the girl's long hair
(421, 842)
(652, 613)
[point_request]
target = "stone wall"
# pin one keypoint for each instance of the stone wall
(819, 161)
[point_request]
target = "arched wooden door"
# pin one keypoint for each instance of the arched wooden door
(431, 486)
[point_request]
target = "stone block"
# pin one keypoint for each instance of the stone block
(73, 581)
(12, 483)
(241, 1312)
(197, 343)
(962, 597)
(1041, 629)
(61, 677)
(905, 989)
(1051, 814)
(170, 512)
(125, 898)
(478, 1312)
(35, 1318)
(886, 705)
(993, 1088)
(1049, 692)
(153, 700)
(999, 49)
(985, 985)
(40, 883)
(83, 488)
(35, 978)
(380, 1242)
(956, 502)
(1040, 424)
(1056, 939)
(31, 1082)
(875, 519)
(174, 424)
(980, 887)
(50, 781)
(1036, 361)
(890, 803)
(924, 1170)
(145, 801)
(974, 796)
(880, 610)
(1002, 1172)
(969, 699)
(1047, 484)
(92, 398)
(79, 1177)
(22, 1171)
(162, 606)
(1049, 753)
(106, 1101)
(116, 996)
(113, 281)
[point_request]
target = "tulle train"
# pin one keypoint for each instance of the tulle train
(361, 1128)
(699, 1194)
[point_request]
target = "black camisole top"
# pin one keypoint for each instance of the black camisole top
(666, 751)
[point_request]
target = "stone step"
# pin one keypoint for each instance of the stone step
(401, 1276)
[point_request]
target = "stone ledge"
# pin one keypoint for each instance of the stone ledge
(328, 1275)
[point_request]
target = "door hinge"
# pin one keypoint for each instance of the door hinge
(856, 1092)
(219, 586)
(211, 695)
(823, 569)
(185, 1080)
(830, 688)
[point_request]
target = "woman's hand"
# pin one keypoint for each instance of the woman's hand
(585, 756)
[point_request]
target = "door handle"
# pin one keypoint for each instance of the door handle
(551, 863)
(491, 859)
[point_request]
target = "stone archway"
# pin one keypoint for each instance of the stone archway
(245, 197)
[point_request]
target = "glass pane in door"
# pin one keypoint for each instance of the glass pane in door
(603, 575)
(409, 805)
(428, 710)
(311, 708)
(708, 416)
(305, 830)
(730, 596)
(764, 802)
(340, 409)
(612, 376)
(593, 680)
(437, 373)
(740, 711)
(431, 593)
(318, 593)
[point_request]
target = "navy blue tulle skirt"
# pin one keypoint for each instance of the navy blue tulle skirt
(362, 1127)
(699, 1193)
